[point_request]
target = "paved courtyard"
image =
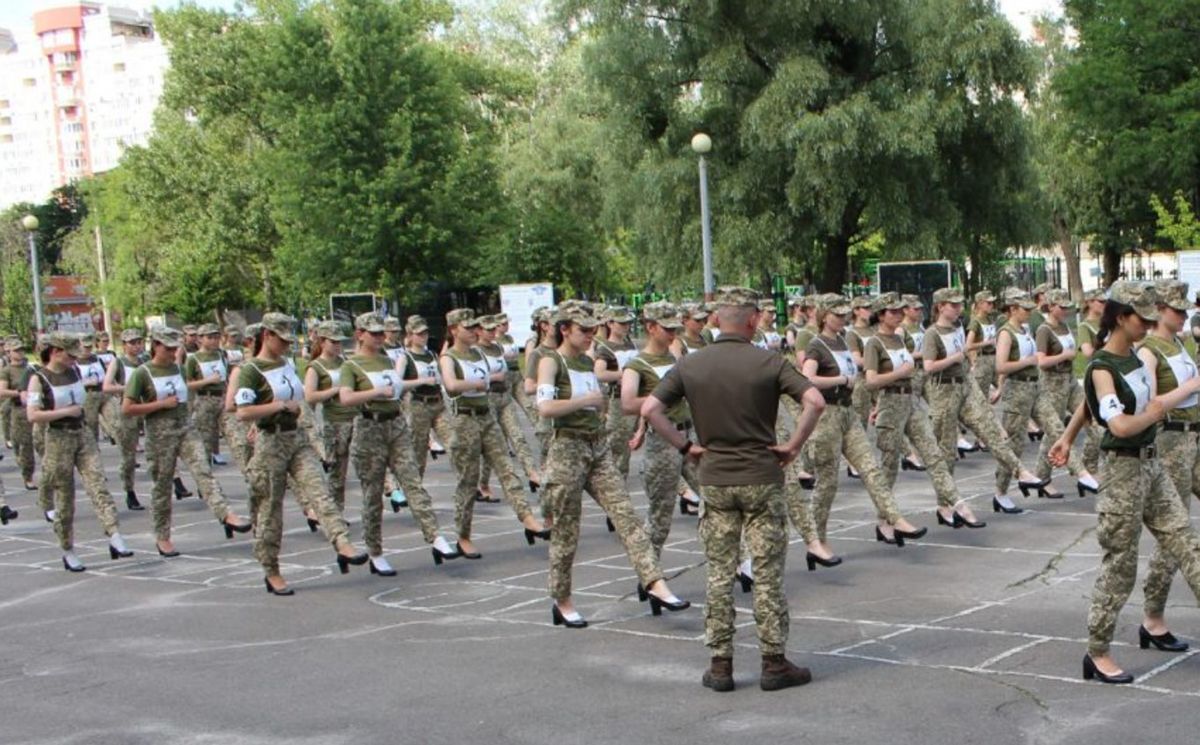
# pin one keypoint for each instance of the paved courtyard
(967, 636)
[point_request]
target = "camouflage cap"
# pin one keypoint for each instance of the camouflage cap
(948, 295)
(103, 336)
(233, 331)
(331, 330)
(888, 301)
(861, 301)
(131, 334)
(1061, 298)
(501, 318)
(1041, 289)
(461, 317)
(488, 322)
(739, 296)
(1016, 296)
(392, 323)
(87, 339)
(1173, 293)
(166, 336)
(766, 306)
(694, 311)
(913, 301)
(13, 344)
(542, 314)
(985, 296)
(280, 324)
(794, 302)
(663, 313)
(369, 322)
(415, 324)
(65, 341)
(1094, 295)
(208, 329)
(832, 302)
(43, 340)
(189, 329)
(618, 314)
(1138, 295)
(578, 316)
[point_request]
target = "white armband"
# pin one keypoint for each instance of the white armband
(33, 400)
(546, 393)
(245, 397)
(1110, 406)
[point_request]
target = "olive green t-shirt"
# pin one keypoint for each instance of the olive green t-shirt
(469, 366)
(984, 329)
(1133, 392)
(883, 353)
(1052, 339)
(651, 369)
(535, 357)
(494, 355)
(205, 364)
(856, 337)
(832, 356)
(615, 356)
(575, 377)
(363, 372)
(1172, 356)
(1022, 346)
(329, 375)
(733, 390)
(12, 374)
(941, 342)
(151, 382)
(261, 382)
(1086, 333)
(422, 364)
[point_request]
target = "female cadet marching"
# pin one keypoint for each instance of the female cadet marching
(427, 408)
(1137, 489)
(539, 345)
(1086, 330)
(55, 397)
(127, 427)
(890, 367)
(829, 366)
(236, 431)
(382, 441)
(91, 372)
(269, 395)
(1019, 393)
(14, 380)
(612, 355)
(156, 391)
(322, 387)
(862, 398)
(502, 403)
(953, 396)
(1056, 379)
(475, 433)
(579, 457)
(206, 372)
(981, 342)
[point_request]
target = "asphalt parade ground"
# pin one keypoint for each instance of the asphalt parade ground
(966, 636)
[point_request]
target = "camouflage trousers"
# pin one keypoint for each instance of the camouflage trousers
(472, 437)
(6, 409)
(67, 451)
(984, 372)
(506, 414)
(426, 415)
(838, 433)
(757, 513)
(237, 433)
(337, 437)
(93, 399)
(206, 417)
(280, 459)
(311, 424)
(861, 401)
(1135, 492)
(664, 466)
(45, 496)
(1178, 455)
(1065, 394)
(899, 418)
(797, 501)
(20, 432)
(375, 448)
(620, 428)
(1021, 400)
(542, 427)
(166, 442)
(953, 402)
(573, 464)
(126, 434)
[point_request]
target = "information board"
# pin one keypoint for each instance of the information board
(519, 301)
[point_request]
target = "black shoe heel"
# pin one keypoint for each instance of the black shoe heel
(813, 560)
(955, 522)
(850, 472)
(533, 486)
(167, 554)
(609, 524)
(809, 483)
(997, 507)
(1044, 492)
(467, 555)
(559, 620)
(1166, 642)
(544, 534)
(312, 524)
(238, 528)
(70, 568)
(910, 535)
(344, 562)
(7, 513)
(1091, 672)
(642, 594)
(381, 572)
(746, 582)
(115, 554)
(132, 503)
(897, 541)
(909, 465)
(1084, 489)
(285, 592)
(440, 556)
(688, 508)
(657, 604)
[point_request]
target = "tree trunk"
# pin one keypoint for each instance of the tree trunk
(836, 272)
(268, 299)
(971, 280)
(1112, 265)
(1070, 257)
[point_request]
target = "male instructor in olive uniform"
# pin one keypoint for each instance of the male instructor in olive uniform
(734, 389)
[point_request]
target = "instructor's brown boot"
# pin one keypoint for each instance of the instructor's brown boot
(719, 676)
(778, 673)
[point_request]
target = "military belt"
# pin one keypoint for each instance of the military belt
(433, 399)
(271, 429)
(380, 416)
(1144, 453)
(203, 392)
(950, 379)
(463, 410)
(898, 389)
(69, 424)
(1181, 426)
(580, 434)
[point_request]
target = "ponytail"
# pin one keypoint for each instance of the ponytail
(318, 346)
(258, 342)
(1113, 313)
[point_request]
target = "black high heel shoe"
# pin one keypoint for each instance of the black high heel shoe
(7, 513)
(312, 524)
(1166, 642)
(73, 567)
(1027, 486)
(285, 592)
(808, 482)
(531, 534)
(181, 491)
(1036, 435)
(1091, 672)
(812, 560)
(167, 554)
(642, 594)
(688, 508)
(911, 535)
(533, 486)
(1084, 489)
(850, 472)
(909, 465)
(1044, 492)
(970, 523)
(746, 581)
(955, 522)
(609, 524)
(381, 572)
(559, 620)
(897, 540)
(236, 528)
(657, 604)
(467, 555)
(115, 554)
(439, 556)
(997, 507)
(344, 562)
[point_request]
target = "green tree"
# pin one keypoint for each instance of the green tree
(1179, 226)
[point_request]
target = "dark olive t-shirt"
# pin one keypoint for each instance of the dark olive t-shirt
(832, 356)
(1050, 339)
(733, 390)
(940, 342)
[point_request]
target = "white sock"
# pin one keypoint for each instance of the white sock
(117, 542)
(1004, 501)
(381, 563)
(72, 560)
(1090, 482)
(747, 568)
(441, 544)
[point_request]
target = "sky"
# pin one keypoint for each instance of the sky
(16, 14)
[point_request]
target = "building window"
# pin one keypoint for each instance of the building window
(118, 67)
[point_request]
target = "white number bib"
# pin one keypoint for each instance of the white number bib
(169, 385)
(1184, 369)
(989, 331)
(235, 356)
(662, 370)
(91, 373)
(215, 367)
(395, 354)
(1025, 346)
(953, 342)
(384, 378)
(1067, 341)
(624, 356)
(583, 383)
(899, 358)
(473, 370)
(845, 362)
(1140, 385)
(67, 395)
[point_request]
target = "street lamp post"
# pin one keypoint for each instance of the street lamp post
(30, 223)
(701, 145)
